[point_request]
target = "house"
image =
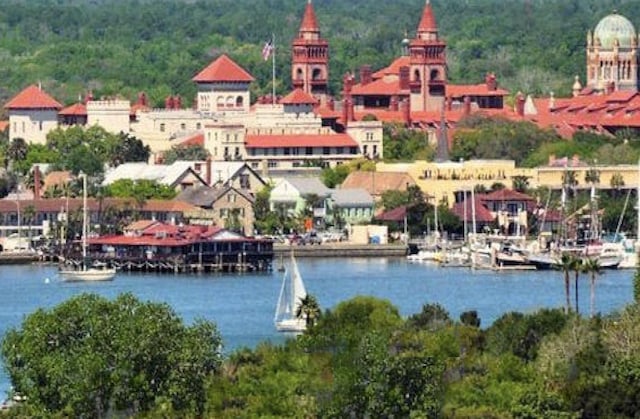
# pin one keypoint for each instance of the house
(179, 175)
(351, 206)
(237, 175)
(376, 183)
(293, 195)
(224, 206)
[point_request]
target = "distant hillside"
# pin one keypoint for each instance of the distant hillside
(124, 46)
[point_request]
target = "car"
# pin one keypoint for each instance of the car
(310, 238)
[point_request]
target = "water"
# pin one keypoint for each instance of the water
(243, 305)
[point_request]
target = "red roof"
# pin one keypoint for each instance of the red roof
(395, 214)
(32, 98)
(305, 140)
(428, 21)
(505, 195)
(77, 109)
(454, 90)
(194, 140)
(482, 214)
(380, 87)
(393, 68)
(223, 69)
(309, 21)
(298, 97)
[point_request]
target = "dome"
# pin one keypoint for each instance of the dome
(614, 27)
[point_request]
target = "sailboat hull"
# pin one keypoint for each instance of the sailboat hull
(88, 275)
(291, 326)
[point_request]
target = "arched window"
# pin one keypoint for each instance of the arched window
(317, 74)
(299, 74)
(239, 102)
(220, 102)
(435, 75)
(230, 101)
(416, 75)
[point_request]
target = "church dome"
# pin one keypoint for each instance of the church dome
(614, 27)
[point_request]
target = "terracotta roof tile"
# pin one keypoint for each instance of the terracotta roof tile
(505, 195)
(32, 98)
(305, 140)
(194, 140)
(309, 21)
(482, 214)
(77, 109)
(461, 90)
(393, 68)
(379, 87)
(428, 20)
(298, 97)
(223, 69)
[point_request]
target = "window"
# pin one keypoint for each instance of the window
(198, 125)
(161, 127)
(308, 151)
(287, 151)
(272, 164)
(375, 150)
(340, 150)
(364, 149)
(227, 137)
(183, 126)
(231, 197)
(326, 150)
(40, 124)
(353, 150)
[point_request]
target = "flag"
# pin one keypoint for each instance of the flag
(267, 50)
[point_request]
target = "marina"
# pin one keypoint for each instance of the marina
(242, 304)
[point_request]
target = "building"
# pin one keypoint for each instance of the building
(224, 206)
(613, 55)
(378, 182)
(179, 175)
(351, 207)
(32, 114)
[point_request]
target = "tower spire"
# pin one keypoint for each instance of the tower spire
(428, 21)
(309, 20)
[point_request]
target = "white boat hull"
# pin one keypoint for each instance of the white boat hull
(88, 275)
(291, 326)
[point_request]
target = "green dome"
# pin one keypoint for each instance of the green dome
(613, 27)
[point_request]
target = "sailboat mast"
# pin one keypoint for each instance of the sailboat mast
(84, 217)
(638, 205)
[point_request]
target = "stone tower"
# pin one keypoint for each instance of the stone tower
(428, 65)
(310, 56)
(613, 55)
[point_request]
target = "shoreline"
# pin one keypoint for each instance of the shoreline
(341, 250)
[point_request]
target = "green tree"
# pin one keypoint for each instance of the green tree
(592, 268)
(309, 310)
(189, 153)
(90, 356)
(566, 265)
(520, 183)
(432, 317)
(127, 148)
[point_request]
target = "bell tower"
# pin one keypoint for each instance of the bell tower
(310, 62)
(428, 65)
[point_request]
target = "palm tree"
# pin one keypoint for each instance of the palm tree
(566, 265)
(520, 183)
(592, 267)
(617, 183)
(309, 309)
(576, 267)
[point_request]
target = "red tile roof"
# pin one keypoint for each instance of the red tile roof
(223, 69)
(32, 98)
(393, 68)
(380, 87)
(305, 140)
(505, 195)
(456, 91)
(309, 20)
(378, 182)
(77, 109)
(428, 20)
(298, 97)
(193, 140)
(482, 214)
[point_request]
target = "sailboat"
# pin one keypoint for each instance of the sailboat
(292, 292)
(86, 272)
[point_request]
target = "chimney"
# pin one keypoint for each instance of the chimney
(520, 100)
(365, 75)
(393, 104)
(405, 76)
(208, 174)
(88, 97)
(352, 113)
(331, 104)
(142, 99)
(491, 82)
(346, 106)
(611, 87)
(168, 102)
(177, 102)
(466, 107)
(36, 182)
(405, 109)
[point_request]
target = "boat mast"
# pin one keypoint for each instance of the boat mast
(638, 205)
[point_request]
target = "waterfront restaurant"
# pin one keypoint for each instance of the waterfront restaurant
(157, 246)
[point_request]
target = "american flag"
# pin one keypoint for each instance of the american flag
(267, 50)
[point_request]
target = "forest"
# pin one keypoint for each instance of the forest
(121, 47)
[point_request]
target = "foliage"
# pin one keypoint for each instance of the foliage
(333, 177)
(89, 356)
(140, 190)
(403, 144)
(432, 317)
(190, 153)
(498, 138)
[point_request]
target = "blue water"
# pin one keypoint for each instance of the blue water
(243, 305)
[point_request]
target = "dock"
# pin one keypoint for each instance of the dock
(342, 250)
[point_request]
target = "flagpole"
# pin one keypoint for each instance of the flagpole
(273, 70)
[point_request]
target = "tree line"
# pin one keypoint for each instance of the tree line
(122, 47)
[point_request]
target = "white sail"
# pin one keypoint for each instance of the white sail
(292, 292)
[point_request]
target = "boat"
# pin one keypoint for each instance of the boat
(87, 271)
(292, 292)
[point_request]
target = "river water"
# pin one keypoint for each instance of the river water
(243, 305)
